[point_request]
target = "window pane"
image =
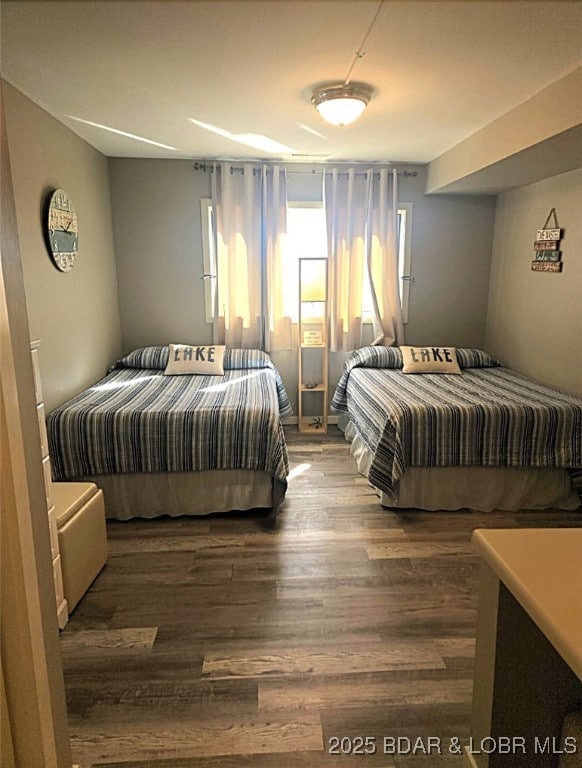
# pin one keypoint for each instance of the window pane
(306, 232)
(306, 239)
(208, 257)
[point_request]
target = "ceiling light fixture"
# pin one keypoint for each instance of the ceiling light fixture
(342, 103)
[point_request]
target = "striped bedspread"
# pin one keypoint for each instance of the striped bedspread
(138, 420)
(489, 416)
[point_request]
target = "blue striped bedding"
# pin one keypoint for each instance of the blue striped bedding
(489, 416)
(138, 420)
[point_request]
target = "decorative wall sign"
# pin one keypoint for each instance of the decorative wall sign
(312, 338)
(547, 255)
(546, 246)
(548, 234)
(546, 266)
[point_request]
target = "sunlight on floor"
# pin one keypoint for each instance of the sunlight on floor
(299, 470)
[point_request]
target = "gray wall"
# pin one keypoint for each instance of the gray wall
(534, 319)
(158, 245)
(452, 236)
(75, 314)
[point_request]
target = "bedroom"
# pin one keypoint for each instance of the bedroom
(470, 288)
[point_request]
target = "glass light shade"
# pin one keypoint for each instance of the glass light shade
(340, 111)
(341, 104)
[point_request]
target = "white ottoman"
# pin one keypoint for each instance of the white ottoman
(80, 514)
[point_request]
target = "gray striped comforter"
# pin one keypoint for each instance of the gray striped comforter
(488, 416)
(138, 420)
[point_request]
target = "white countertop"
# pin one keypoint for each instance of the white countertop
(542, 568)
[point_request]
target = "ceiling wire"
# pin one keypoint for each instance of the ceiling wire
(360, 53)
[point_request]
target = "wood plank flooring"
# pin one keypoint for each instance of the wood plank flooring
(235, 642)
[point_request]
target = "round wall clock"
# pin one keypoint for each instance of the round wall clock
(62, 232)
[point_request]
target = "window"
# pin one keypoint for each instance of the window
(208, 257)
(306, 238)
(404, 255)
(306, 230)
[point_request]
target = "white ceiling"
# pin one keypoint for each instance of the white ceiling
(441, 71)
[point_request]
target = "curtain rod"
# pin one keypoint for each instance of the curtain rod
(211, 166)
(406, 174)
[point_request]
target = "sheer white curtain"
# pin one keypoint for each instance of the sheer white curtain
(361, 211)
(280, 333)
(346, 207)
(382, 257)
(251, 221)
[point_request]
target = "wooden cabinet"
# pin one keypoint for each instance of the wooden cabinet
(313, 341)
(62, 608)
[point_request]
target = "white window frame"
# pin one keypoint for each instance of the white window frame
(209, 265)
(404, 264)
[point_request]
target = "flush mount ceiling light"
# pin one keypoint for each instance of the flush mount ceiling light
(341, 104)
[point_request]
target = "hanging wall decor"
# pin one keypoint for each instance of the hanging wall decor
(546, 246)
(61, 230)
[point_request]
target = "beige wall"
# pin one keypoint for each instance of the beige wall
(477, 162)
(158, 244)
(75, 314)
(534, 320)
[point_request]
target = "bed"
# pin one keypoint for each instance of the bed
(489, 438)
(177, 445)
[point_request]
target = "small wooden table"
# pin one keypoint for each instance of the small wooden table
(528, 659)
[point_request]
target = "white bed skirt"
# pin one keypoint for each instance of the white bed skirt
(480, 488)
(154, 494)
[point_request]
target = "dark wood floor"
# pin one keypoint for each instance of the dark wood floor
(229, 642)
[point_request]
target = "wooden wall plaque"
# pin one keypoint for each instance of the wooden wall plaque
(547, 256)
(548, 234)
(546, 245)
(546, 266)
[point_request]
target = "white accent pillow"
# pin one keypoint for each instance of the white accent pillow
(429, 360)
(205, 361)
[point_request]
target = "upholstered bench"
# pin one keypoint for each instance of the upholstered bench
(80, 516)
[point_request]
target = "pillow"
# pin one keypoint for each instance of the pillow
(429, 360)
(205, 361)
(475, 358)
(147, 358)
(243, 359)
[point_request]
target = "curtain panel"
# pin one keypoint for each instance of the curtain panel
(251, 225)
(361, 216)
